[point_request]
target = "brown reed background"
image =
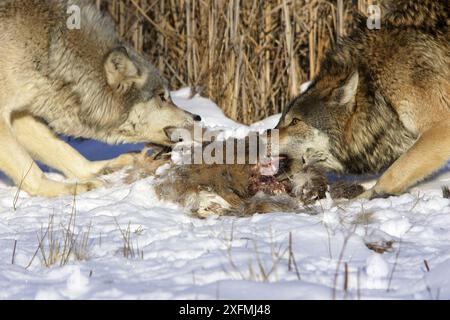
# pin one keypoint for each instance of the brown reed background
(248, 56)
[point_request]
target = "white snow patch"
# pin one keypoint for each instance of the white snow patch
(396, 227)
(77, 284)
(377, 267)
(179, 257)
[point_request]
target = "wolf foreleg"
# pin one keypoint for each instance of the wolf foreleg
(20, 167)
(427, 155)
(43, 145)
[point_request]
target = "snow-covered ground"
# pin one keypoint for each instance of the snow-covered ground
(273, 256)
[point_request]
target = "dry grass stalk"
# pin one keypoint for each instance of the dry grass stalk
(58, 246)
(345, 280)
(446, 192)
(129, 250)
(340, 259)
(264, 272)
(19, 188)
(292, 258)
(427, 266)
(14, 252)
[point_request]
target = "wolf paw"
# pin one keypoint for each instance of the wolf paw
(86, 186)
(373, 194)
(120, 162)
(50, 188)
(309, 186)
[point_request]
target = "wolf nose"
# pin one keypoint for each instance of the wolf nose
(197, 118)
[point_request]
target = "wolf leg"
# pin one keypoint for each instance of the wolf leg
(45, 146)
(20, 167)
(427, 155)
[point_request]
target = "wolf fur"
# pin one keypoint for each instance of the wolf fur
(83, 83)
(380, 102)
(429, 15)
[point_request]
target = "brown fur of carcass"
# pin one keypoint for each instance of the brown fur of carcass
(237, 189)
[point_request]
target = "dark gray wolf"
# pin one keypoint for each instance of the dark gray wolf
(79, 82)
(381, 100)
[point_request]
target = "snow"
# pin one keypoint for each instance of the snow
(377, 267)
(175, 256)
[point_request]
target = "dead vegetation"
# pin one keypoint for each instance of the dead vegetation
(364, 218)
(446, 192)
(130, 249)
(261, 269)
(19, 187)
(382, 247)
(59, 244)
(248, 56)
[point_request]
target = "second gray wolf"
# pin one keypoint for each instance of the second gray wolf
(381, 100)
(79, 82)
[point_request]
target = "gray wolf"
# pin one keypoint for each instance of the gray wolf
(82, 83)
(380, 102)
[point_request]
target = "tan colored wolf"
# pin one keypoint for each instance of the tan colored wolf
(380, 101)
(79, 82)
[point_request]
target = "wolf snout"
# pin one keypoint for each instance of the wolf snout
(189, 121)
(191, 118)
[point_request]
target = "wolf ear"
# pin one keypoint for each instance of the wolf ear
(120, 70)
(347, 92)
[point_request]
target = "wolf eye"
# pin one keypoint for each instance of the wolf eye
(295, 122)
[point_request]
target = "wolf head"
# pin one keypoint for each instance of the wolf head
(312, 121)
(144, 96)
